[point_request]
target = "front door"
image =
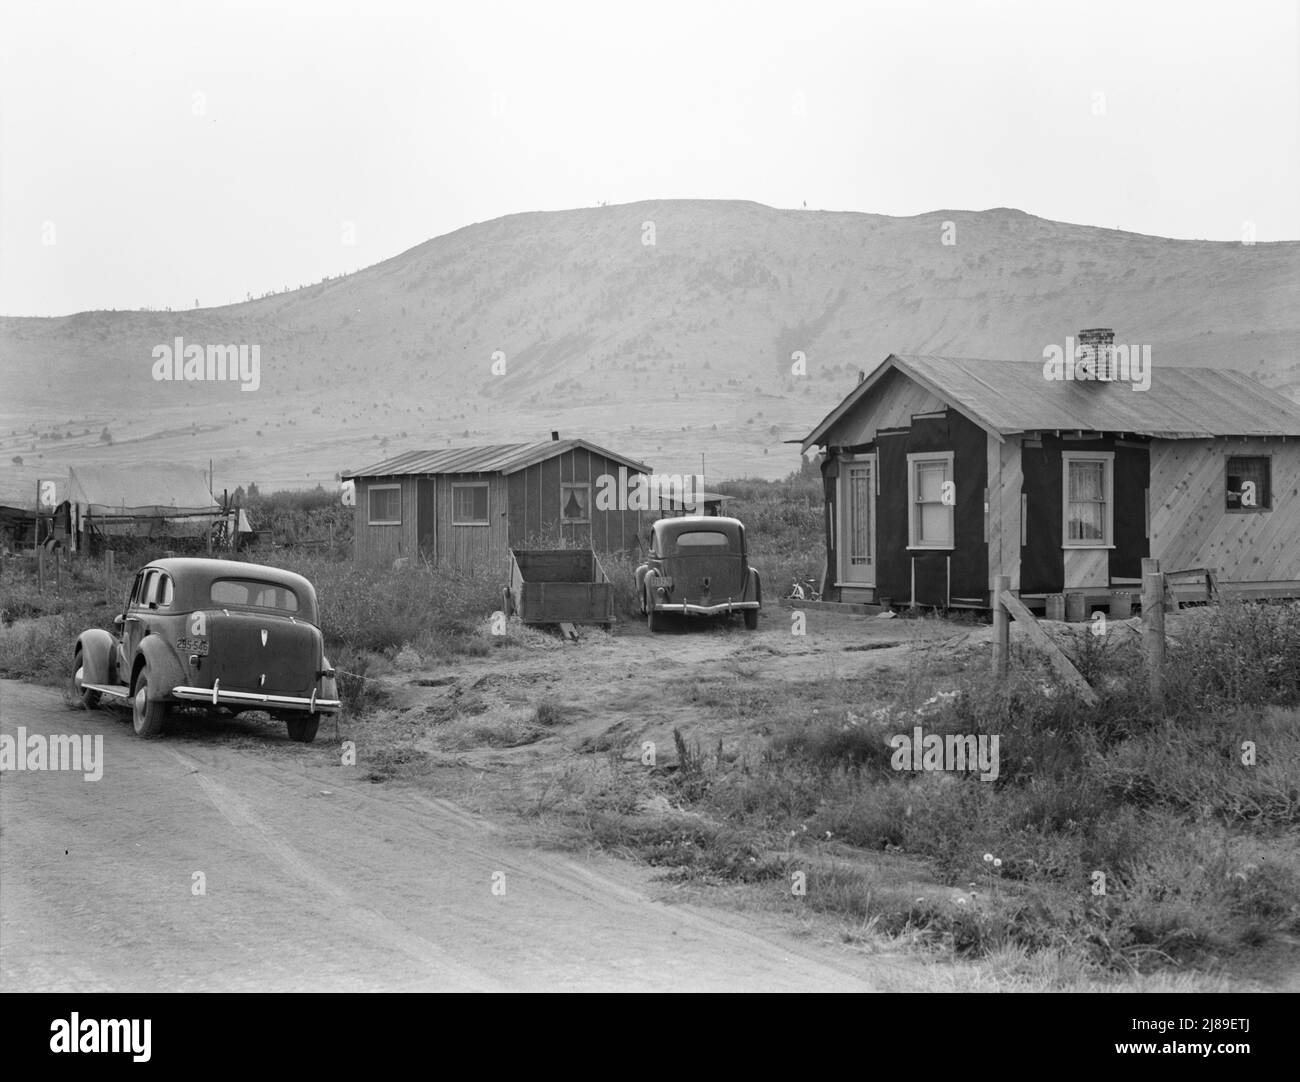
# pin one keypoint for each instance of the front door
(858, 523)
(425, 518)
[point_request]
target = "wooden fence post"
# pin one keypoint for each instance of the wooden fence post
(58, 571)
(40, 569)
(108, 576)
(1001, 625)
(1153, 626)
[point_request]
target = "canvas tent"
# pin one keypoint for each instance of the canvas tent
(156, 501)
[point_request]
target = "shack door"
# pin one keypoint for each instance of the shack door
(425, 518)
(858, 524)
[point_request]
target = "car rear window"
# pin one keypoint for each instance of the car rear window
(702, 537)
(262, 595)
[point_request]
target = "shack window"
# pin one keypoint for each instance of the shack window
(1089, 506)
(1249, 483)
(385, 505)
(575, 503)
(931, 496)
(469, 504)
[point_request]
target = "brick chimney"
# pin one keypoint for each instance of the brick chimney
(1095, 355)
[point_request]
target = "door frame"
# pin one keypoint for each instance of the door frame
(842, 517)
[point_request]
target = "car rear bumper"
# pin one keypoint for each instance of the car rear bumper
(705, 610)
(216, 697)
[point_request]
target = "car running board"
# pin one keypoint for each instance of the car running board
(117, 691)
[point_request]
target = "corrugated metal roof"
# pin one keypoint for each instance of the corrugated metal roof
(494, 458)
(1013, 396)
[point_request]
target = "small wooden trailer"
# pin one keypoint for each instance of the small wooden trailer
(558, 586)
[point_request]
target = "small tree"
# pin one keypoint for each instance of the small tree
(106, 436)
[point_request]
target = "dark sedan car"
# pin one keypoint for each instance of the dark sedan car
(698, 566)
(219, 633)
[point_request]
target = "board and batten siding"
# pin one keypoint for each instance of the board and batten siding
(472, 546)
(535, 496)
(384, 542)
(1191, 527)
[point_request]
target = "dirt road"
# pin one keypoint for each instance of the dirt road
(317, 879)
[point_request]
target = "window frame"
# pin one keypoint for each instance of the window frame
(914, 460)
(1268, 476)
(565, 486)
(370, 506)
(1107, 458)
(487, 503)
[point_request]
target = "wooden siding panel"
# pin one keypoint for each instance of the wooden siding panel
(1087, 567)
(890, 405)
(1190, 526)
(1006, 480)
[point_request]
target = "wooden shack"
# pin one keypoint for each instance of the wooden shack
(468, 506)
(942, 473)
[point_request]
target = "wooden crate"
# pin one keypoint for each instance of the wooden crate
(557, 586)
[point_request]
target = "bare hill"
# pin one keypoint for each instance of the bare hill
(662, 350)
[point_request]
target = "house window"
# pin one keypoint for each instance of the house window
(575, 503)
(385, 505)
(930, 494)
(1249, 485)
(1089, 503)
(469, 504)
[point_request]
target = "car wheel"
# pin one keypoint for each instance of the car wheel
(751, 619)
(147, 713)
(303, 730)
(88, 699)
(655, 619)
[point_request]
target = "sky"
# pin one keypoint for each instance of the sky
(176, 153)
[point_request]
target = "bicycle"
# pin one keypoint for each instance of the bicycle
(804, 590)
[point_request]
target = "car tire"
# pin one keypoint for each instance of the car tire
(88, 699)
(654, 619)
(751, 619)
(147, 713)
(303, 730)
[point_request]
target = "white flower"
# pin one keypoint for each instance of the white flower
(997, 862)
(988, 857)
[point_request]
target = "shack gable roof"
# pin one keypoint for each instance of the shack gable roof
(505, 458)
(1006, 397)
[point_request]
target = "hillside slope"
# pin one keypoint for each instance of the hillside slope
(664, 351)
